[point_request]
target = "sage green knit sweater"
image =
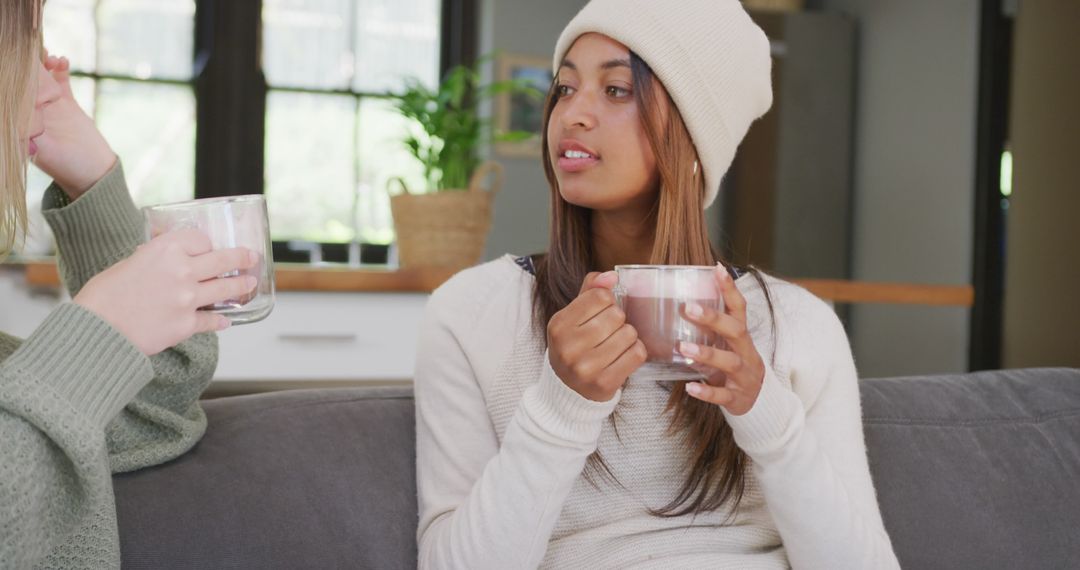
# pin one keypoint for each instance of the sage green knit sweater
(78, 402)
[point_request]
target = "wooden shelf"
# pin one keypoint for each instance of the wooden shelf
(306, 278)
(889, 293)
(299, 277)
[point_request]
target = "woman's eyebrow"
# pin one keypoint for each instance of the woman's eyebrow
(612, 64)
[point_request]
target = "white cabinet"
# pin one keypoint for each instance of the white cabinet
(336, 337)
(327, 336)
(23, 309)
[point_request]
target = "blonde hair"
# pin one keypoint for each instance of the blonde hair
(20, 42)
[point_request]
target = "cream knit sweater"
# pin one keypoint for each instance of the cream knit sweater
(502, 442)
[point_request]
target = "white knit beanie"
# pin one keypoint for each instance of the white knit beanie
(711, 57)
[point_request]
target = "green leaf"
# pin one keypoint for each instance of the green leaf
(452, 130)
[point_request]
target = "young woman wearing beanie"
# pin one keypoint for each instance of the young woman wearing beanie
(533, 449)
(110, 381)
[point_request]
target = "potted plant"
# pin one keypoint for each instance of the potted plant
(446, 223)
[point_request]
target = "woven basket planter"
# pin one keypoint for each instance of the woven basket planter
(447, 228)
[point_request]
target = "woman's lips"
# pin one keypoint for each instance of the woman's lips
(33, 144)
(574, 156)
(576, 164)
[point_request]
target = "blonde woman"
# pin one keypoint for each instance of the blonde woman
(110, 381)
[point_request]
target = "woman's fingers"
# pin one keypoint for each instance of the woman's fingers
(222, 261)
(210, 322)
(627, 363)
(734, 302)
(716, 358)
(615, 345)
(591, 303)
(718, 395)
(591, 360)
(605, 280)
(739, 370)
(60, 68)
(191, 241)
(601, 326)
(218, 290)
(728, 327)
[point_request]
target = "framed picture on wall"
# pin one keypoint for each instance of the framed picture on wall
(521, 112)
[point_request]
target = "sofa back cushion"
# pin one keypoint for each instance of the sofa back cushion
(972, 471)
(301, 479)
(978, 470)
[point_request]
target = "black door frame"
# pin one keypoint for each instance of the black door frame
(988, 271)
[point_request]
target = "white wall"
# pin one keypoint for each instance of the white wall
(522, 27)
(916, 99)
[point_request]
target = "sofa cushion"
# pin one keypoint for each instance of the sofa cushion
(972, 471)
(302, 479)
(978, 470)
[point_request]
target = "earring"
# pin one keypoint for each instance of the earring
(695, 167)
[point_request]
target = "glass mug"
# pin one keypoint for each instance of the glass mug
(654, 298)
(231, 221)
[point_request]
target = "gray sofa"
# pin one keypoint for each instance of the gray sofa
(973, 471)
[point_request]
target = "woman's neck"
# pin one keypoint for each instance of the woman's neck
(622, 237)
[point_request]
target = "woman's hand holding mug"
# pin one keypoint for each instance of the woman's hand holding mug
(153, 297)
(590, 346)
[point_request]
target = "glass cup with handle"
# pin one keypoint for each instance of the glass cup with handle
(230, 221)
(654, 299)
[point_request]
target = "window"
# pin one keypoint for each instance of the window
(196, 107)
(132, 71)
(332, 139)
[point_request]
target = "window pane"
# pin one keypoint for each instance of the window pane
(152, 128)
(306, 43)
(310, 166)
(147, 38)
(39, 239)
(396, 39)
(70, 32)
(383, 157)
(83, 90)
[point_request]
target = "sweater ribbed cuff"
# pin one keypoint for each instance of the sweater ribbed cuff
(85, 361)
(766, 426)
(564, 413)
(95, 231)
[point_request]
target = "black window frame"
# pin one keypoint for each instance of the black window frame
(99, 77)
(231, 92)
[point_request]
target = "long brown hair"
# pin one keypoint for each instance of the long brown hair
(20, 42)
(716, 464)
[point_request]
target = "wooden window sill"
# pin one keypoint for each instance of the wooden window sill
(302, 277)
